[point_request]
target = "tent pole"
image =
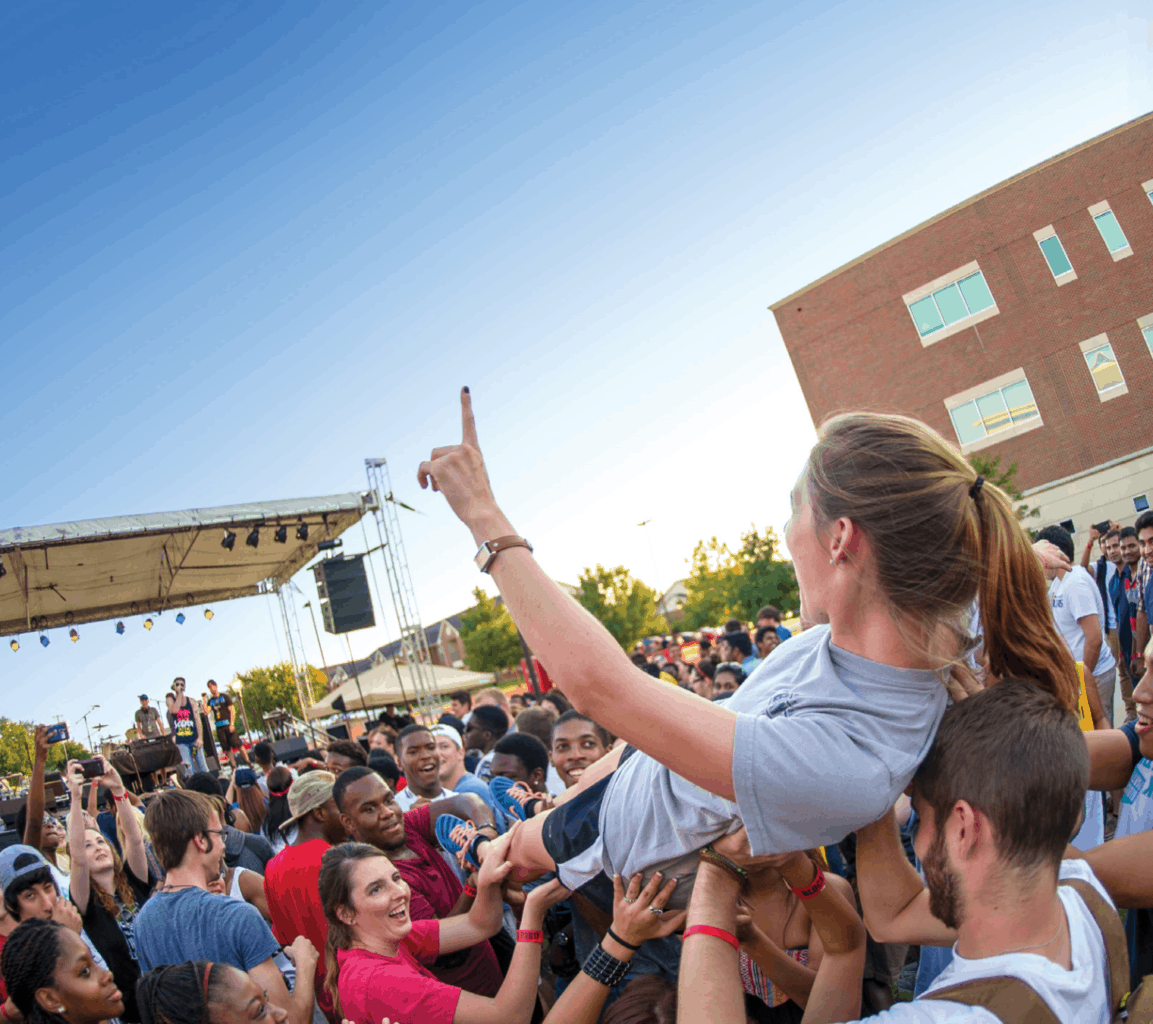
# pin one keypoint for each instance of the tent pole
(356, 676)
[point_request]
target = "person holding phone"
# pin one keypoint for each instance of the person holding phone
(108, 891)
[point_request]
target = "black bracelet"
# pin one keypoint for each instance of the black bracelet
(621, 942)
(604, 968)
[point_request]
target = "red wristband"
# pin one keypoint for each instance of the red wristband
(815, 886)
(117, 798)
(470, 892)
(716, 933)
(524, 935)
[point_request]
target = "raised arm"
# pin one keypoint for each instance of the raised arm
(484, 917)
(692, 736)
(1113, 862)
(709, 987)
(78, 884)
(134, 854)
(298, 1002)
(895, 900)
(1110, 758)
(34, 822)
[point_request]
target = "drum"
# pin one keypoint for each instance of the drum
(145, 756)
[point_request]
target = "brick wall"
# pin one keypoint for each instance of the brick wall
(854, 345)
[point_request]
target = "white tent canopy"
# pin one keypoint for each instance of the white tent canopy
(381, 686)
(97, 569)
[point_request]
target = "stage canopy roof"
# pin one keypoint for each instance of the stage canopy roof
(391, 683)
(96, 569)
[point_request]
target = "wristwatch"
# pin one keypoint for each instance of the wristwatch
(488, 551)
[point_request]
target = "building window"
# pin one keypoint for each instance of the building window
(951, 304)
(1002, 407)
(1110, 230)
(1141, 503)
(1148, 187)
(1103, 368)
(1148, 333)
(1054, 253)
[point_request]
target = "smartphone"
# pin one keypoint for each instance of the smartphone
(93, 767)
(58, 733)
(1102, 528)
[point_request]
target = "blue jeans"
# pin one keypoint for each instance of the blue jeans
(193, 757)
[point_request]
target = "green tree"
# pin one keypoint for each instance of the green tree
(265, 689)
(489, 634)
(625, 606)
(17, 748)
(725, 584)
(990, 468)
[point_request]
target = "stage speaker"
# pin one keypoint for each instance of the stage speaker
(338, 732)
(342, 587)
(291, 749)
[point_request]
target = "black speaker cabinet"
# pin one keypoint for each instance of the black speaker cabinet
(342, 585)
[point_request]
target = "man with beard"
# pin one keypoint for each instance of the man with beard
(419, 760)
(993, 831)
(184, 921)
(370, 813)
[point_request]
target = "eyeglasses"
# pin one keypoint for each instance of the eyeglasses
(215, 832)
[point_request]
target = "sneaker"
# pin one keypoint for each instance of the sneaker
(511, 797)
(458, 846)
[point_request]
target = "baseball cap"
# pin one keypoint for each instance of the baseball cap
(306, 794)
(17, 861)
(448, 732)
(143, 696)
(245, 777)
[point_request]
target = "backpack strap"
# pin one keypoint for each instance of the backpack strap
(1113, 932)
(1009, 999)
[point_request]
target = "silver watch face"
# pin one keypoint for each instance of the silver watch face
(482, 557)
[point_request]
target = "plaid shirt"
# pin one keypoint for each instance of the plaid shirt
(1143, 576)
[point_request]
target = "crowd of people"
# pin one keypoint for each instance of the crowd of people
(920, 793)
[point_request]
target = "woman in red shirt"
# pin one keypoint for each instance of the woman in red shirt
(376, 954)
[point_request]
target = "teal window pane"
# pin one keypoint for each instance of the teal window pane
(926, 317)
(1019, 399)
(967, 423)
(951, 305)
(976, 292)
(994, 413)
(1111, 232)
(1148, 332)
(1055, 256)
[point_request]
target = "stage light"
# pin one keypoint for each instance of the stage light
(43, 640)
(180, 618)
(229, 540)
(253, 538)
(302, 531)
(208, 613)
(281, 535)
(120, 628)
(73, 635)
(14, 644)
(148, 623)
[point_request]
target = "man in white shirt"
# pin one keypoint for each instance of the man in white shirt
(993, 823)
(1079, 615)
(418, 758)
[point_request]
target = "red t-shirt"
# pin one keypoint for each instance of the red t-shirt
(373, 987)
(435, 890)
(291, 888)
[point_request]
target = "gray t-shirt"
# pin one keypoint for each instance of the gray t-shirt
(825, 743)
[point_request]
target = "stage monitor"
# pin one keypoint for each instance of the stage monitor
(342, 586)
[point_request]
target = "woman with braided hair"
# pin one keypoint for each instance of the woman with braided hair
(52, 979)
(203, 992)
(107, 891)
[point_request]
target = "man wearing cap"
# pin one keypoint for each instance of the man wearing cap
(291, 881)
(454, 778)
(148, 720)
(487, 725)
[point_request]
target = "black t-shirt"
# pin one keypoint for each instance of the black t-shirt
(113, 939)
(220, 705)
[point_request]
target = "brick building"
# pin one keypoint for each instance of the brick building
(1019, 323)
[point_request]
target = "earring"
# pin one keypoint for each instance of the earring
(832, 561)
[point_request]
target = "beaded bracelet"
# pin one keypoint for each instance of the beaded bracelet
(723, 862)
(604, 968)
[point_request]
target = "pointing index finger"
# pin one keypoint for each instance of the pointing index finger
(468, 424)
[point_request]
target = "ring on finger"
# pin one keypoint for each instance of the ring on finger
(656, 910)
(633, 900)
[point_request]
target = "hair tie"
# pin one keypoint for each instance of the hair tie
(207, 972)
(976, 488)
(278, 792)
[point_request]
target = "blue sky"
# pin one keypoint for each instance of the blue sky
(247, 245)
